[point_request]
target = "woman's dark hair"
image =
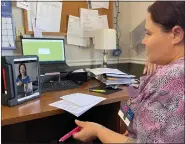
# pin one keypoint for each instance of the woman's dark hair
(22, 64)
(168, 14)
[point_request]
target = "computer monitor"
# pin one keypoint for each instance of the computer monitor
(47, 49)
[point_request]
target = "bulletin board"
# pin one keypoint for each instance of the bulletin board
(72, 8)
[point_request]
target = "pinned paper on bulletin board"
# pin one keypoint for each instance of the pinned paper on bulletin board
(49, 16)
(66, 9)
(31, 15)
(89, 21)
(75, 35)
(99, 4)
(23, 4)
(8, 33)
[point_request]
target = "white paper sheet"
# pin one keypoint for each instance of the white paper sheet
(4, 26)
(10, 32)
(89, 21)
(4, 32)
(103, 22)
(8, 20)
(49, 16)
(74, 26)
(99, 4)
(4, 44)
(79, 70)
(72, 108)
(37, 33)
(23, 4)
(32, 14)
(75, 35)
(4, 38)
(99, 71)
(9, 26)
(10, 38)
(81, 99)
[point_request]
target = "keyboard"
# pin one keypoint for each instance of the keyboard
(55, 86)
(55, 67)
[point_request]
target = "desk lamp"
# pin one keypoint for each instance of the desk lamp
(105, 39)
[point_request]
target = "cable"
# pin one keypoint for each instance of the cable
(118, 50)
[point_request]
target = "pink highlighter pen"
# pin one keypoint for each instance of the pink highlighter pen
(77, 129)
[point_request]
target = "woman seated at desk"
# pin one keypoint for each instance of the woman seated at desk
(158, 103)
(23, 79)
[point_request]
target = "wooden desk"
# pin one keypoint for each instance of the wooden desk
(39, 108)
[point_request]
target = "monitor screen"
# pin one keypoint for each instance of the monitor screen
(45, 49)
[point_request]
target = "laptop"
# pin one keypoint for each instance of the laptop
(51, 53)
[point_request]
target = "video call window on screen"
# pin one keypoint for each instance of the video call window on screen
(26, 78)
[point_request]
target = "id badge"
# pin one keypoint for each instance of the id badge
(126, 114)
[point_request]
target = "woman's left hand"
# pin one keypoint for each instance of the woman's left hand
(149, 68)
(88, 132)
(25, 87)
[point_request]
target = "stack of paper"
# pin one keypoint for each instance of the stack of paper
(77, 103)
(113, 76)
(116, 79)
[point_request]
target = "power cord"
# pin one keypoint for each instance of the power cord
(118, 51)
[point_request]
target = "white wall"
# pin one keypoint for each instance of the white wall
(138, 14)
(132, 14)
(74, 54)
(124, 24)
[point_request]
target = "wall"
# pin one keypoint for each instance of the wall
(131, 15)
(74, 54)
(124, 24)
(137, 15)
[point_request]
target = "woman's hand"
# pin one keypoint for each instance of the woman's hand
(88, 132)
(26, 87)
(19, 83)
(126, 133)
(149, 68)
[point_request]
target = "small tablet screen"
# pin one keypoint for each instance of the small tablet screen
(26, 71)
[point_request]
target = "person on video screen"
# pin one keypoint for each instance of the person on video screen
(23, 79)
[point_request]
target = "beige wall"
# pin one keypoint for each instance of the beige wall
(138, 14)
(132, 14)
(124, 24)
